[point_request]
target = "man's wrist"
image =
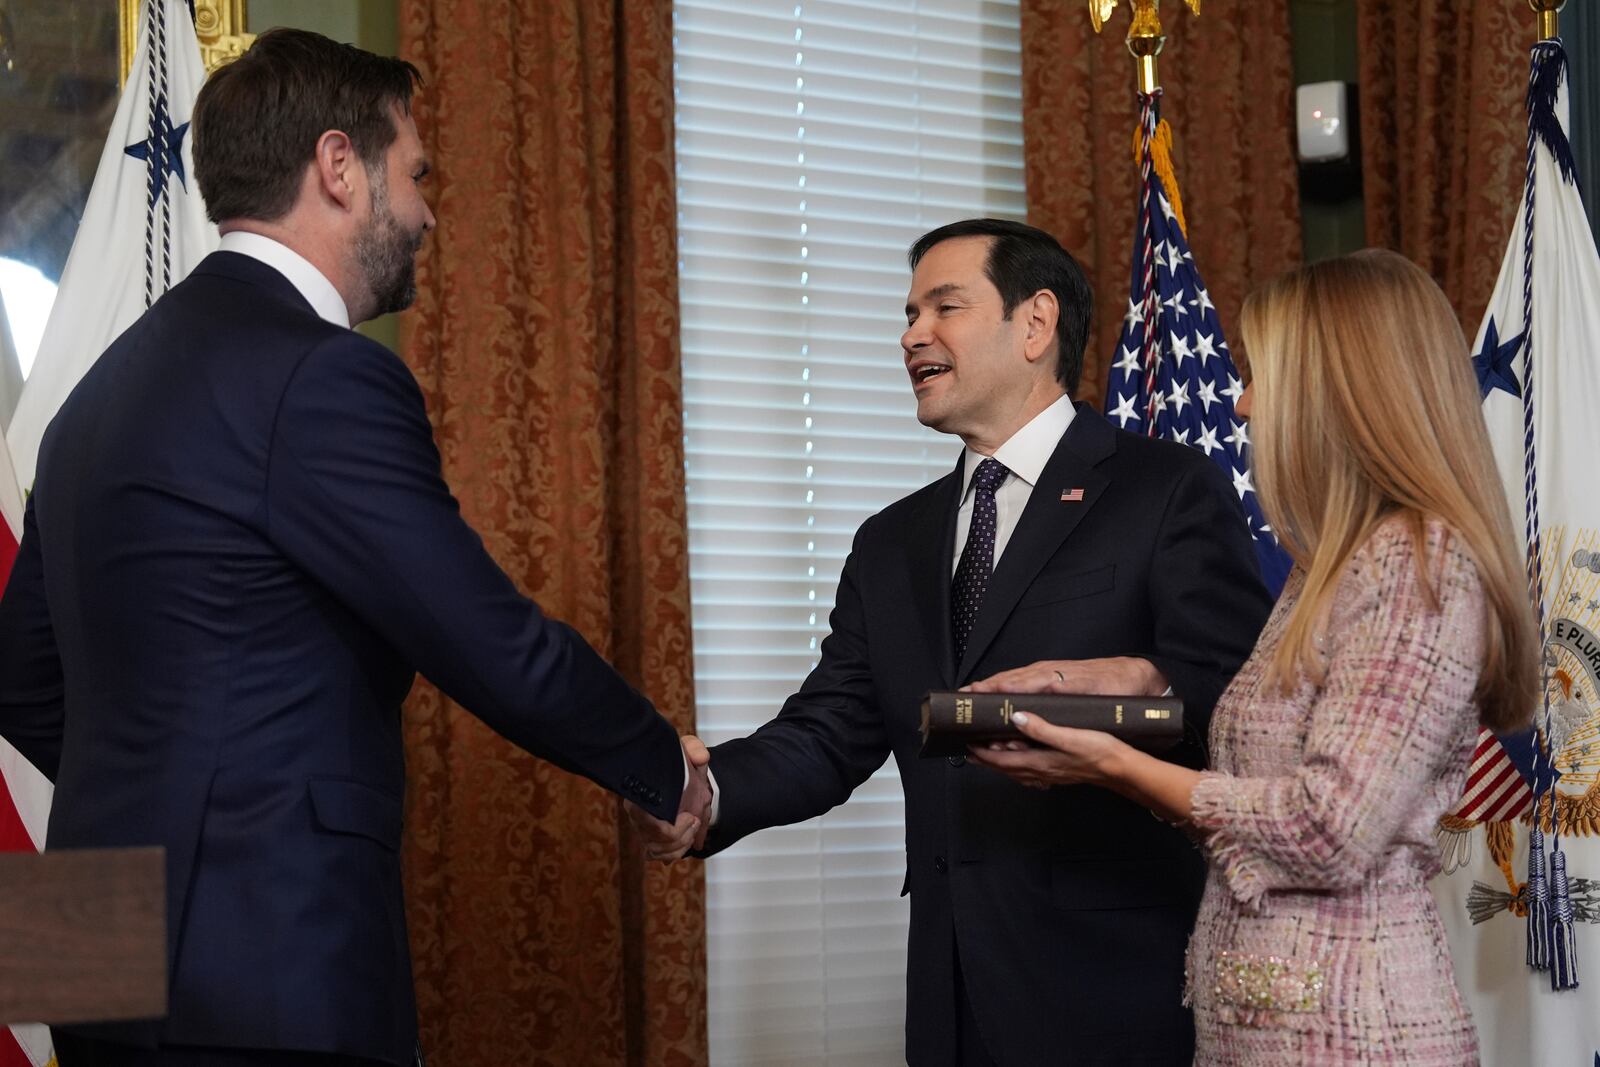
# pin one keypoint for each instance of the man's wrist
(1155, 683)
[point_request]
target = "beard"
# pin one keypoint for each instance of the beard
(387, 256)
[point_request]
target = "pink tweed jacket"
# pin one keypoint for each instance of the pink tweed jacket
(1317, 941)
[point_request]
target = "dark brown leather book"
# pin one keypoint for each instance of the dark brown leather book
(951, 721)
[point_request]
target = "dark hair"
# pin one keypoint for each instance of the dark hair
(257, 120)
(1023, 260)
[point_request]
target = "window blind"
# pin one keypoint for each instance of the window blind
(815, 141)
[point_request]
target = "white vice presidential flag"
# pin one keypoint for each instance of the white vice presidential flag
(1542, 404)
(143, 230)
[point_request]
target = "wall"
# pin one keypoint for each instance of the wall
(1580, 31)
(1324, 35)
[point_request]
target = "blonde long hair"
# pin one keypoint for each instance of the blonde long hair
(1365, 407)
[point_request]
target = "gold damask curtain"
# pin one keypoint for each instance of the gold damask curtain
(546, 340)
(1229, 97)
(1444, 135)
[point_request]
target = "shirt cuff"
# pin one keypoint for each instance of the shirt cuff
(716, 794)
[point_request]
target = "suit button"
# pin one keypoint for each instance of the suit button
(958, 761)
(939, 864)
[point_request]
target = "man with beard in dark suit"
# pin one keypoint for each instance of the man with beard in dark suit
(238, 554)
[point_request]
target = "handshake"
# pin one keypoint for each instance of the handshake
(1059, 756)
(668, 841)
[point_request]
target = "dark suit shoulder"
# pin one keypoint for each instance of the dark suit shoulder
(1161, 472)
(264, 315)
(271, 334)
(217, 326)
(929, 501)
(1158, 457)
(345, 361)
(212, 360)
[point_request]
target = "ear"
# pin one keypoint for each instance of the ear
(337, 168)
(1041, 312)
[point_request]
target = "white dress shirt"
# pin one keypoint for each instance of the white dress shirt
(310, 282)
(1024, 455)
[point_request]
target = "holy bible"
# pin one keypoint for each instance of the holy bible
(952, 721)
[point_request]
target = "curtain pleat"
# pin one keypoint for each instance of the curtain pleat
(545, 337)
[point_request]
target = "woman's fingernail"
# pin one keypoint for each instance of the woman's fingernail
(1019, 717)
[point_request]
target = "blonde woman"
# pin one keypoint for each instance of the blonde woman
(1346, 735)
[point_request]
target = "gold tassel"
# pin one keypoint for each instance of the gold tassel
(1161, 160)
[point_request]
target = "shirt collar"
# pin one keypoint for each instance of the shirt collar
(310, 282)
(1027, 450)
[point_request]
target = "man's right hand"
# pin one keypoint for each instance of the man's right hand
(1111, 676)
(669, 841)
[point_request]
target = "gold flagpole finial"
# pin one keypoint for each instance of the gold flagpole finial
(1145, 38)
(1549, 12)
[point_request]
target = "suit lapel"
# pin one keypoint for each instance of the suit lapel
(929, 556)
(1046, 522)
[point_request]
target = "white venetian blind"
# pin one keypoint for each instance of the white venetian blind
(815, 141)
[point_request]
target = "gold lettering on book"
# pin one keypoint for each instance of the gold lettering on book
(1119, 714)
(1006, 709)
(1157, 713)
(963, 711)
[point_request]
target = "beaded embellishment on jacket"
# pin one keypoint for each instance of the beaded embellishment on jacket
(1268, 983)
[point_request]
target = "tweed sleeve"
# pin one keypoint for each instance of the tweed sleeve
(1385, 721)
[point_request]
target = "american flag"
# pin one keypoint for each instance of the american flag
(1173, 376)
(1497, 787)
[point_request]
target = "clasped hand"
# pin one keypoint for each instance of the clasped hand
(668, 841)
(1071, 756)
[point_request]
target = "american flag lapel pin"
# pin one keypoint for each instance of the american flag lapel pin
(1072, 496)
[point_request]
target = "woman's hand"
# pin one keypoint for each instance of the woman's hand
(1093, 758)
(1113, 676)
(1073, 756)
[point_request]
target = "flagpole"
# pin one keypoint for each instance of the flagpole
(1549, 12)
(1145, 38)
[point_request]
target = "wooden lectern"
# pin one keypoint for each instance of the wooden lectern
(83, 936)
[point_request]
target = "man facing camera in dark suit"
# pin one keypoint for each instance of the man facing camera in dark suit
(1047, 925)
(238, 553)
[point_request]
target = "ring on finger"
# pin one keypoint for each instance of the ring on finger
(1059, 676)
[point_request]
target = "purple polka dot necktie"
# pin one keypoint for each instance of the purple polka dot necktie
(977, 556)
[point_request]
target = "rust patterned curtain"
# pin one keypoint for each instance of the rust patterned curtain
(546, 341)
(1444, 135)
(1229, 97)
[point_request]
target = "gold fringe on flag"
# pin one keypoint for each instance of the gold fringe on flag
(1161, 160)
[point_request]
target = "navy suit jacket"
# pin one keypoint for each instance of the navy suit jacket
(1070, 907)
(238, 552)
